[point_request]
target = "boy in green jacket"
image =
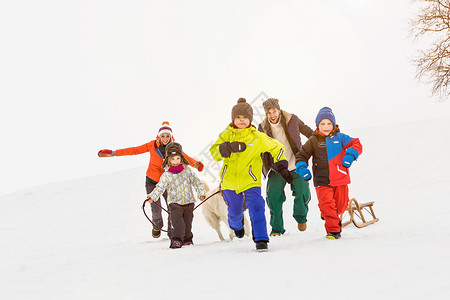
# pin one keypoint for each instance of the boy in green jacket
(241, 146)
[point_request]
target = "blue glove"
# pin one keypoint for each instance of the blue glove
(350, 155)
(302, 170)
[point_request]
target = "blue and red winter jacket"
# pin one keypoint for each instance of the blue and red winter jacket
(328, 153)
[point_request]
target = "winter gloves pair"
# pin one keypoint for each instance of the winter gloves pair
(227, 148)
(350, 156)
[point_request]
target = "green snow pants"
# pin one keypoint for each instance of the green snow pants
(276, 197)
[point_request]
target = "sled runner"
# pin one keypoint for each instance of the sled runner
(355, 212)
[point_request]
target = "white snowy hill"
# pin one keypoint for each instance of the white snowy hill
(88, 238)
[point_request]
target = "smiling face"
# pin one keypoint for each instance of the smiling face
(326, 127)
(241, 122)
(273, 115)
(165, 138)
(174, 160)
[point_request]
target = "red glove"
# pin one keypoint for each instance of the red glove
(200, 166)
(105, 153)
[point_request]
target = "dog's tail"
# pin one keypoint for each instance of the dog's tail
(205, 186)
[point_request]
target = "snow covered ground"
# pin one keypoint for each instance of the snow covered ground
(88, 238)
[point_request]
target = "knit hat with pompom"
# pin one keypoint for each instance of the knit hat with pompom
(242, 108)
(165, 128)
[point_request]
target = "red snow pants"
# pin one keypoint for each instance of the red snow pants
(333, 201)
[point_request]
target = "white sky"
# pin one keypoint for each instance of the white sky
(79, 76)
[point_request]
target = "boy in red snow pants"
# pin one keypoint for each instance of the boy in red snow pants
(333, 153)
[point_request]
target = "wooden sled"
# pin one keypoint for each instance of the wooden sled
(355, 212)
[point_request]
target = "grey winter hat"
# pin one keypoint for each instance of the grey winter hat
(173, 149)
(242, 108)
(271, 103)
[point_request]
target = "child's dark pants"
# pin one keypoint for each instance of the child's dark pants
(181, 217)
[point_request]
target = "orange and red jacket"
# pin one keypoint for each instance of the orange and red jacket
(154, 170)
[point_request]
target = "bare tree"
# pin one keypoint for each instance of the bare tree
(433, 64)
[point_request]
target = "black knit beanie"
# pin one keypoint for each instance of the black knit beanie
(242, 108)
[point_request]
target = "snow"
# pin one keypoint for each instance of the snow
(88, 238)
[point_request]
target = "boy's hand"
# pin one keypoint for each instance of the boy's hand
(303, 171)
(348, 160)
(105, 153)
(149, 200)
(237, 147)
(350, 156)
(227, 148)
(202, 198)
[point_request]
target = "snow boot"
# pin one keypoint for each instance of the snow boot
(175, 244)
(333, 235)
(275, 234)
(239, 233)
(301, 226)
(156, 233)
(261, 246)
(188, 242)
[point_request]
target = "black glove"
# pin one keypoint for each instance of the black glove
(227, 148)
(282, 168)
(287, 175)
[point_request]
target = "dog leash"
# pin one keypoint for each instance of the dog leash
(201, 202)
(154, 225)
(145, 201)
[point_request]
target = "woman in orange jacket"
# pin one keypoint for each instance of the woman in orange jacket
(157, 149)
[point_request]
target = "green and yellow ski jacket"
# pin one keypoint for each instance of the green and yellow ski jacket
(242, 170)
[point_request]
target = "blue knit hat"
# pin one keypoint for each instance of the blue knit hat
(325, 113)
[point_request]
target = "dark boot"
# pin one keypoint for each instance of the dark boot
(261, 246)
(240, 233)
(333, 235)
(156, 233)
(175, 244)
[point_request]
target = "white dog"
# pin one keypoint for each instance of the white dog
(215, 211)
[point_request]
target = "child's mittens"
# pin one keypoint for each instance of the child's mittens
(227, 148)
(105, 153)
(281, 167)
(350, 155)
(302, 169)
